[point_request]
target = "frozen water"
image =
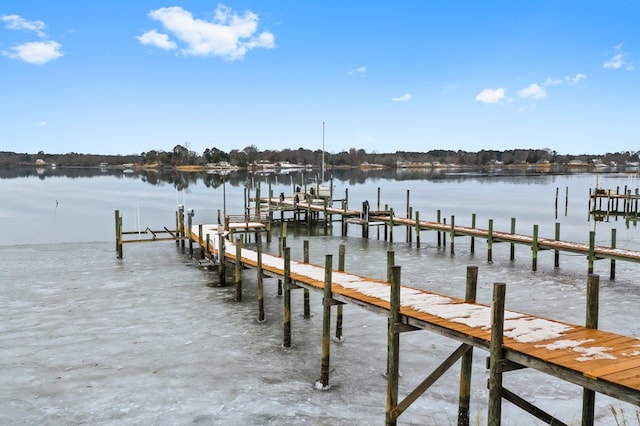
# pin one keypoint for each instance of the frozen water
(86, 338)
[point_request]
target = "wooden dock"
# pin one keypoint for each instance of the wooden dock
(388, 219)
(596, 360)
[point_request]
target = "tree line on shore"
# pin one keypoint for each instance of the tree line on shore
(182, 155)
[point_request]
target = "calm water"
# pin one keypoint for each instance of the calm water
(150, 339)
(54, 208)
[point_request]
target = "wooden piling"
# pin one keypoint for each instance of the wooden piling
(534, 249)
(556, 253)
(393, 347)
(438, 232)
(591, 257)
(307, 307)
(490, 242)
(391, 261)
(496, 355)
(452, 233)
(473, 239)
(341, 258)
(417, 229)
(238, 274)
(589, 396)
(467, 358)
(222, 269)
(286, 341)
(512, 248)
(260, 278)
(118, 227)
(612, 271)
(200, 238)
(326, 322)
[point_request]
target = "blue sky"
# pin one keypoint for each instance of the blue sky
(124, 77)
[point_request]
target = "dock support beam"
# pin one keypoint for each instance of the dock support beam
(260, 278)
(496, 355)
(119, 234)
(393, 347)
(326, 322)
(307, 307)
(467, 358)
(286, 342)
(341, 256)
(589, 396)
(238, 270)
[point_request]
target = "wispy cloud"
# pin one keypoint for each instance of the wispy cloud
(491, 96)
(618, 60)
(16, 22)
(403, 98)
(228, 35)
(33, 52)
(156, 39)
(359, 70)
(533, 91)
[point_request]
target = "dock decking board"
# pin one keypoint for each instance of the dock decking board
(614, 369)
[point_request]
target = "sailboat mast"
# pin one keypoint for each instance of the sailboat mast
(322, 167)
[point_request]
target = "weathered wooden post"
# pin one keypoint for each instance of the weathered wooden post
(438, 232)
(452, 233)
(341, 256)
(260, 278)
(238, 274)
(189, 224)
(444, 234)
(391, 225)
(556, 254)
(512, 248)
(287, 298)
(409, 227)
(181, 230)
(593, 297)
(393, 347)
(222, 269)
(326, 322)
(591, 257)
(200, 237)
(467, 358)
(417, 229)
(473, 239)
(408, 216)
(534, 249)
(490, 242)
(307, 307)
(391, 262)
(496, 355)
(119, 250)
(612, 272)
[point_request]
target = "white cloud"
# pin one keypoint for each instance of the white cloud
(229, 35)
(359, 70)
(618, 60)
(576, 79)
(491, 96)
(36, 52)
(403, 98)
(552, 82)
(156, 39)
(16, 22)
(533, 91)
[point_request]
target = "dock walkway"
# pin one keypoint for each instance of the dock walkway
(538, 243)
(597, 360)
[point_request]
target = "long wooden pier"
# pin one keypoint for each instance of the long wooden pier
(387, 218)
(599, 361)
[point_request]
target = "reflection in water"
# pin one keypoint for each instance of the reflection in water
(352, 176)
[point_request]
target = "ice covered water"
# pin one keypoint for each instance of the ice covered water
(152, 339)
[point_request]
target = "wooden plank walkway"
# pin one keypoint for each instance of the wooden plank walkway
(600, 252)
(598, 360)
